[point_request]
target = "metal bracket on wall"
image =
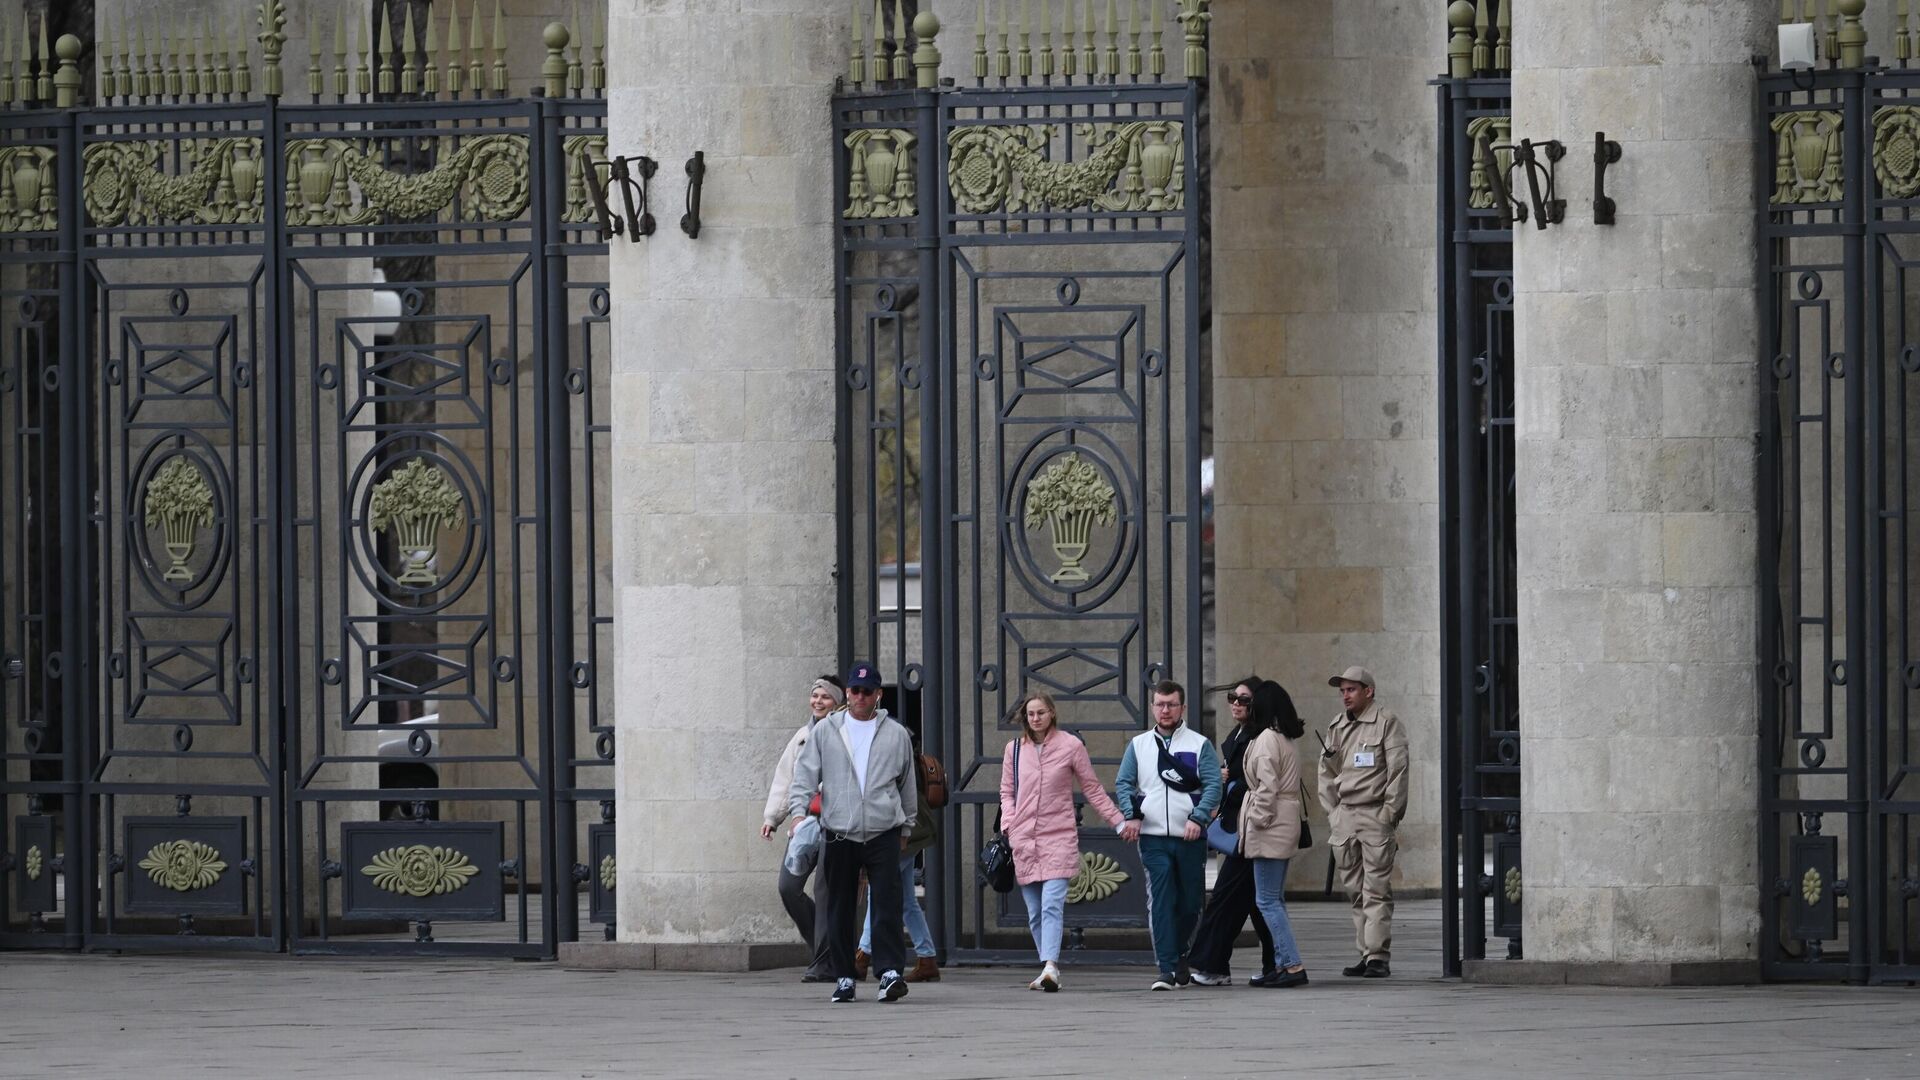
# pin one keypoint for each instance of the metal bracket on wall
(1605, 152)
(696, 175)
(1511, 210)
(621, 170)
(1547, 209)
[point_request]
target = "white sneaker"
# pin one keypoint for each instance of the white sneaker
(1050, 978)
(1037, 980)
(1202, 978)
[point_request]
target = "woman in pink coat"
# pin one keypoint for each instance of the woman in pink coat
(1040, 771)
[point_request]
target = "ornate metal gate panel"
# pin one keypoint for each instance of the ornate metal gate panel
(1021, 280)
(324, 395)
(1479, 641)
(1839, 193)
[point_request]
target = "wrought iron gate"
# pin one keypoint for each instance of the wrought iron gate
(1479, 637)
(1838, 186)
(301, 615)
(1020, 282)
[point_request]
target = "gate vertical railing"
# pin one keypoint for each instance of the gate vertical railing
(1837, 192)
(304, 593)
(1479, 639)
(1019, 306)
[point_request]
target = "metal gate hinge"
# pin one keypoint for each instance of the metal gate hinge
(621, 170)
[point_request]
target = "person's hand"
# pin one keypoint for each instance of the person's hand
(1193, 830)
(903, 841)
(766, 832)
(1224, 778)
(1130, 831)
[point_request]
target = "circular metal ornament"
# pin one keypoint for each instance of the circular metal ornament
(1508, 751)
(50, 379)
(419, 743)
(1503, 290)
(34, 739)
(113, 372)
(599, 303)
(500, 371)
(411, 301)
(985, 368)
(582, 675)
(1813, 753)
(603, 746)
(1153, 363)
(910, 375)
(29, 308)
(1837, 365)
(183, 738)
(1837, 673)
(177, 302)
(330, 671)
(857, 376)
(1067, 291)
(988, 677)
(1783, 366)
(1783, 674)
(55, 665)
(117, 666)
(913, 677)
(504, 669)
(885, 297)
(243, 670)
(243, 374)
(1809, 285)
(1910, 359)
(327, 375)
(576, 381)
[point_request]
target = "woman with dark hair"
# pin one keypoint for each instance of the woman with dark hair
(1040, 770)
(1270, 827)
(1232, 899)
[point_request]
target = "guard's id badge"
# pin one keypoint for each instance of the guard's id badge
(1363, 759)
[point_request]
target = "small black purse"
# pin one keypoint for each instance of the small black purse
(996, 855)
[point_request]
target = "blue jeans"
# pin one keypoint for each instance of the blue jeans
(1176, 884)
(1046, 915)
(1269, 895)
(910, 912)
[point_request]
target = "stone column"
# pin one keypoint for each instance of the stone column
(1325, 410)
(1636, 422)
(723, 455)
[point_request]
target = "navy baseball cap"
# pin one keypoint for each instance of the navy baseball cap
(863, 674)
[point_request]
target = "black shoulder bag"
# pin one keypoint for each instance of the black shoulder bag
(996, 855)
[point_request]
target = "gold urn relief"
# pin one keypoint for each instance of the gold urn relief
(880, 180)
(1069, 497)
(179, 503)
(415, 504)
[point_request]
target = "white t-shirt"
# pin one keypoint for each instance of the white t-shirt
(860, 737)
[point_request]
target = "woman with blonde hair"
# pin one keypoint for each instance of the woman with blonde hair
(1040, 770)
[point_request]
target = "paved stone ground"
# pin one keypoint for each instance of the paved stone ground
(160, 1017)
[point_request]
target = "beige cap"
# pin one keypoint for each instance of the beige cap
(1353, 674)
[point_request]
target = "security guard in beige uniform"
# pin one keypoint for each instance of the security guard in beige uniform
(1363, 785)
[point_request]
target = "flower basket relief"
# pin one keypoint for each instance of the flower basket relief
(1070, 497)
(416, 503)
(179, 502)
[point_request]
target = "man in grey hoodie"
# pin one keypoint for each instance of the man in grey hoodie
(861, 762)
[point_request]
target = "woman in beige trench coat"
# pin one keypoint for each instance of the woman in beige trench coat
(1270, 827)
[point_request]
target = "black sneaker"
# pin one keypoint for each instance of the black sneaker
(892, 987)
(1377, 969)
(1286, 979)
(1355, 971)
(843, 992)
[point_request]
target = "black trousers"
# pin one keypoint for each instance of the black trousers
(843, 860)
(809, 918)
(1226, 913)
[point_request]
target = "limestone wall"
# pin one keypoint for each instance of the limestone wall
(723, 499)
(1324, 418)
(1635, 449)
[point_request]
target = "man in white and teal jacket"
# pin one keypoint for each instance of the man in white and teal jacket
(1169, 786)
